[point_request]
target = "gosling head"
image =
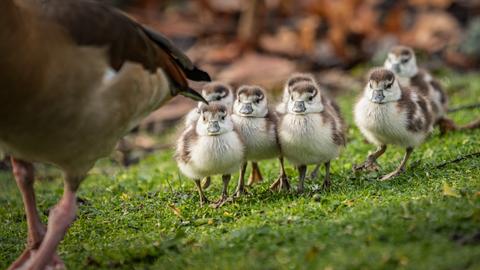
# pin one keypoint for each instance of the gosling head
(305, 98)
(382, 87)
(251, 102)
(294, 79)
(401, 61)
(217, 92)
(214, 120)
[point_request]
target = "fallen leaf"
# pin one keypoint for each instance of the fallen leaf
(201, 221)
(433, 31)
(349, 203)
(124, 197)
(253, 68)
(175, 210)
(285, 42)
(449, 191)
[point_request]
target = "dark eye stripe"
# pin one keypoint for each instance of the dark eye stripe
(220, 89)
(390, 84)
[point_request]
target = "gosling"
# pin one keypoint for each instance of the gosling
(312, 131)
(210, 147)
(258, 127)
(282, 106)
(213, 92)
(402, 62)
(388, 113)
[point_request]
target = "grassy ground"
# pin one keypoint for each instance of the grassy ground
(147, 217)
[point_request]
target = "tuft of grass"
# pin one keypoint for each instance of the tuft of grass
(147, 216)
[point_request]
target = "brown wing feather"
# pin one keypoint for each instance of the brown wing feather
(93, 23)
(188, 138)
(172, 69)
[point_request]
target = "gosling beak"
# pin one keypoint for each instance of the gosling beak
(299, 107)
(246, 109)
(190, 93)
(378, 96)
(213, 128)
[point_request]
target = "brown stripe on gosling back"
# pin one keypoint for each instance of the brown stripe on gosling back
(251, 90)
(415, 123)
(381, 74)
(331, 115)
(183, 152)
(426, 112)
(406, 104)
(272, 122)
(401, 50)
(338, 136)
(418, 81)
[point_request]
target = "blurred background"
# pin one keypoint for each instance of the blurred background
(264, 41)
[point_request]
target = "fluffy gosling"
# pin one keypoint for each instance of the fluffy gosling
(401, 60)
(258, 127)
(210, 147)
(388, 113)
(282, 106)
(311, 131)
(213, 92)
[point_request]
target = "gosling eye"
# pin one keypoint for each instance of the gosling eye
(223, 117)
(204, 119)
(291, 98)
(404, 60)
(310, 98)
